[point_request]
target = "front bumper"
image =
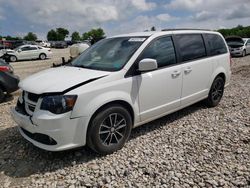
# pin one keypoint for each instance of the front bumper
(234, 52)
(61, 131)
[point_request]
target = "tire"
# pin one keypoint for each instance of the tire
(42, 56)
(109, 129)
(2, 96)
(244, 53)
(216, 92)
(13, 58)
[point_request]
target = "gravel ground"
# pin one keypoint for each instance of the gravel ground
(195, 147)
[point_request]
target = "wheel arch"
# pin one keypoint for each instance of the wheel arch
(122, 103)
(219, 72)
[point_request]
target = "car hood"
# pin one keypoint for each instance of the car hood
(61, 79)
(10, 51)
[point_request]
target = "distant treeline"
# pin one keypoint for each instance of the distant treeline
(241, 31)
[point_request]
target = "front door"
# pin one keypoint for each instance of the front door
(160, 90)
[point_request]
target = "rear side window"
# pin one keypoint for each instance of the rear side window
(216, 44)
(191, 46)
(26, 48)
(162, 50)
(33, 48)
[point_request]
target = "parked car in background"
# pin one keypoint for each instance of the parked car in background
(60, 44)
(43, 43)
(238, 46)
(27, 52)
(8, 81)
(119, 83)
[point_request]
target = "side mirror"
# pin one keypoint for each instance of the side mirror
(147, 65)
(19, 50)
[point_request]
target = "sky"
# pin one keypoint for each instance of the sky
(18, 17)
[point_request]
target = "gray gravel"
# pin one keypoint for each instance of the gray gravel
(195, 147)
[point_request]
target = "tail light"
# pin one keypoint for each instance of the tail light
(4, 69)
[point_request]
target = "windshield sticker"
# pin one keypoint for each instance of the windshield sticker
(136, 39)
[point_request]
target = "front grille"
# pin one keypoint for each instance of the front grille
(33, 97)
(42, 138)
(21, 108)
(30, 102)
(31, 108)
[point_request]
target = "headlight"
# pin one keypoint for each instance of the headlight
(58, 104)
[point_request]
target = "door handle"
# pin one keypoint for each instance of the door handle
(188, 70)
(176, 74)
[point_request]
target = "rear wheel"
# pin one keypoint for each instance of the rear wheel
(13, 58)
(216, 92)
(1, 95)
(42, 56)
(109, 129)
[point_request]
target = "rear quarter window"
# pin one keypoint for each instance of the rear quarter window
(216, 44)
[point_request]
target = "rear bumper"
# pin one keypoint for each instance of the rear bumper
(59, 132)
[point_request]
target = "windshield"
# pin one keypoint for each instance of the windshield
(109, 54)
(16, 49)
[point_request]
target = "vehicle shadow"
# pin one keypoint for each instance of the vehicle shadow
(19, 158)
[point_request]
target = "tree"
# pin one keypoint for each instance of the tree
(94, 35)
(75, 36)
(30, 37)
(153, 28)
(52, 35)
(62, 33)
(237, 31)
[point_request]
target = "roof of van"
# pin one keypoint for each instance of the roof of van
(164, 31)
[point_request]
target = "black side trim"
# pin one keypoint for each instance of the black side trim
(71, 88)
(80, 84)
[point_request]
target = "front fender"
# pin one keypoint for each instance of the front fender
(87, 106)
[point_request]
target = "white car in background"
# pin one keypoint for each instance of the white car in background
(26, 52)
(43, 43)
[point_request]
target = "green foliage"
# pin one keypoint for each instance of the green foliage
(240, 31)
(10, 38)
(30, 37)
(94, 35)
(59, 35)
(62, 33)
(75, 36)
(52, 35)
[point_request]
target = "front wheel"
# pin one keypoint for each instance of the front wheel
(109, 129)
(13, 58)
(244, 53)
(216, 92)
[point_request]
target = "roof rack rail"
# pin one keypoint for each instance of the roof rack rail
(179, 29)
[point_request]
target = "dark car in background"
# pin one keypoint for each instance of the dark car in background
(8, 81)
(60, 44)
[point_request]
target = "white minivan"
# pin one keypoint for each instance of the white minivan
(119, 83)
